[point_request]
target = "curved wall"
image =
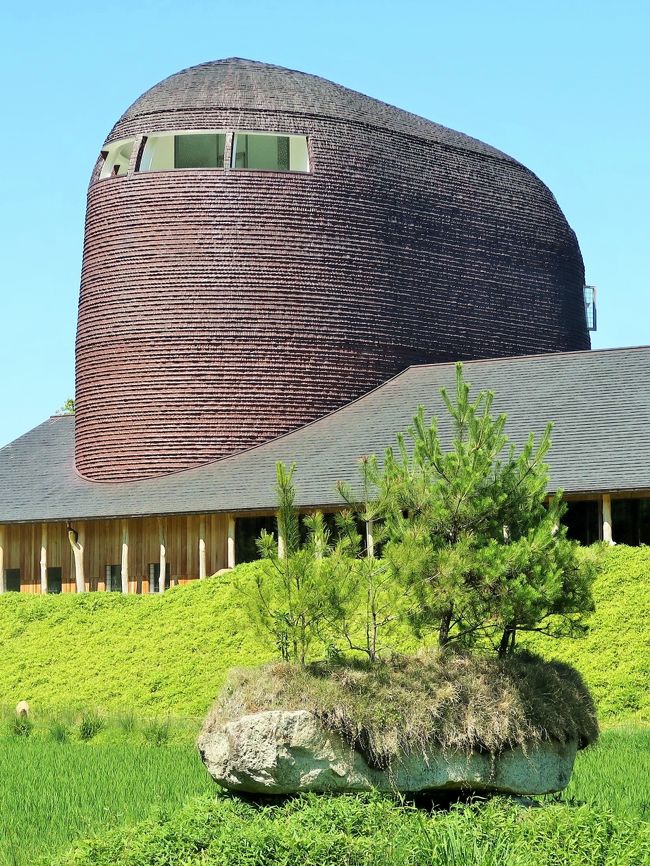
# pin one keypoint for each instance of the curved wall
(222, 308)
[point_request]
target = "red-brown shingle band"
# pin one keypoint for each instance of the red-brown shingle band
(222, 308)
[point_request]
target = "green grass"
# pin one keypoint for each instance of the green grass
(615, 775)
(53, 794)
(378, 831)
(169, 655)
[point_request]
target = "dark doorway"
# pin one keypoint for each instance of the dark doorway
(247, 531)
(631, 521)
(54, 580)
(12, 578)
(582, 520)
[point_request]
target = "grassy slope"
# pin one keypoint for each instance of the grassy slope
(153, 655)
(169, 654)
(614, 658)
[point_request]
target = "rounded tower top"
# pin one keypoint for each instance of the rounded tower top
(263, 246)
(248, 85)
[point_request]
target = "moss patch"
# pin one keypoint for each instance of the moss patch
(405, 704)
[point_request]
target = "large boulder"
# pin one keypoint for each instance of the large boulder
(289, 751)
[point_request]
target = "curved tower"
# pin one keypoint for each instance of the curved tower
(263, 246)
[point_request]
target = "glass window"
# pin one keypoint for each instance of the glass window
(116, 158)
(199, 151)
(262, 152)
(582, 520)
(54, 580)
(12, 579)
(113, 578)
(631, 521)
(154, 576)
(185, 150)
(247, 531)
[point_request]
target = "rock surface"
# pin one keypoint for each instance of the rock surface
(289, 751)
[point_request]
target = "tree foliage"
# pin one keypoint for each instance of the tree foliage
(470, 531)
(472, 548)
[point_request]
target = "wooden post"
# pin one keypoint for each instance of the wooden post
(3, 576)
(125, 556)
(230, 558)
(202, 555)
(282, 552)
(162, 558)
(370, 541)
(76, 539)
(607, 519)
(43, 559)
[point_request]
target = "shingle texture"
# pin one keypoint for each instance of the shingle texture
(599, 402)
(220, 308)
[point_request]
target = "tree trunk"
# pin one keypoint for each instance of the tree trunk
(445, 626)
(507, 640)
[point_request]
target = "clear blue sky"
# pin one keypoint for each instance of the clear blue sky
(561, 85)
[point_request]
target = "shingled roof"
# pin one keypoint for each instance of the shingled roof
(599, 402)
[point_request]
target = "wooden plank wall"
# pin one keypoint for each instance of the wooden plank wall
(103, 546)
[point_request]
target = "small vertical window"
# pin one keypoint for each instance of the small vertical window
(12, 579)
(54, 580)
(262, 152)
(113, 578)
(154, 576)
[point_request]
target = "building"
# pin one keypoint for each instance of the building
(276, 267)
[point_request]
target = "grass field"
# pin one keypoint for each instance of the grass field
(104, 649)
(72, 656)
(54, 794)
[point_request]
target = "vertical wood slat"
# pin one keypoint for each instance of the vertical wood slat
(125, 556)
(162, 556)
(607, 518)
(43, 558)
(231, 551)
(202, 549)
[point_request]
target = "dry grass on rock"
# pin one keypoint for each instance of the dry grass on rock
(457, 701)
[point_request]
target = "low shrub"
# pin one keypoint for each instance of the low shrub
(370, 831)
(90, 725)
(59, 731)
(21, 726)
(157, 733)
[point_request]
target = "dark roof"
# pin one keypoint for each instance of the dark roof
(599, 402)
(248, 85)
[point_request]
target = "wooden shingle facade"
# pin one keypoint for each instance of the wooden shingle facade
(222, 307)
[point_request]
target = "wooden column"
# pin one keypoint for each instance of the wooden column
(3, 577)
(76, 539)
(370, 541)
(607, 519)
(282, 551)
(125, 556)
(43, 559)
(162, 557)
(230, 557)
(202, 554)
